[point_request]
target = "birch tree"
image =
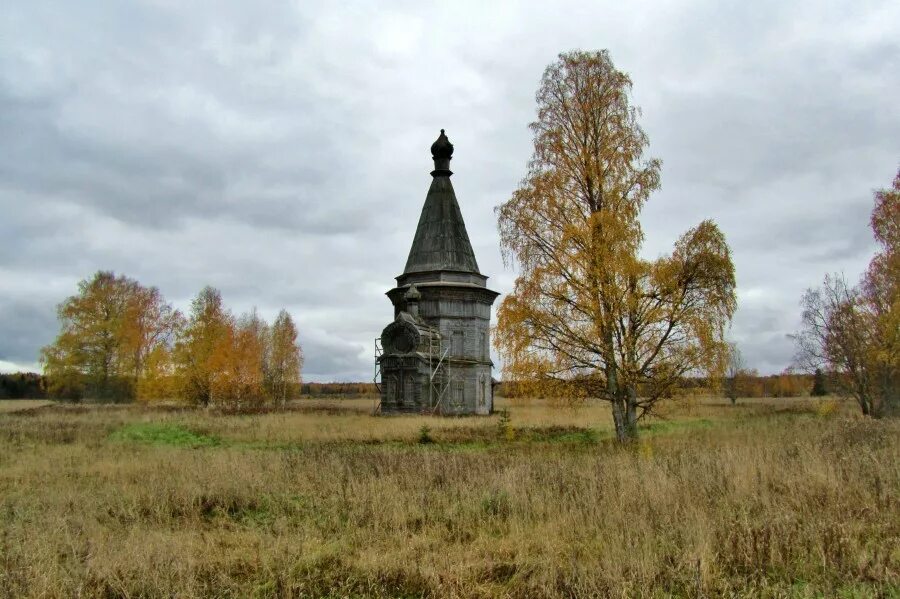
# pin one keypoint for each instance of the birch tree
(197, 352)
(586, 312)
(734, 371)
(285, 358)
(107, 330)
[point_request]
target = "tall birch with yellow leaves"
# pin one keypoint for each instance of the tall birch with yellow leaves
(587, 314)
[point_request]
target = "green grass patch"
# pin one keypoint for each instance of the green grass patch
(461, 440)
(164, 434)
(664, 427)
(586, 436)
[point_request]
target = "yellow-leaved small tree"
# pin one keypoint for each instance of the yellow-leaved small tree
(285, 359)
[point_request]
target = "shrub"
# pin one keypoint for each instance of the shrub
(425, 435)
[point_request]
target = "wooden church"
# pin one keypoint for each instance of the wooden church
(435, 356)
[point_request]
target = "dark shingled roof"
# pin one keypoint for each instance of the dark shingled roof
(441, 241)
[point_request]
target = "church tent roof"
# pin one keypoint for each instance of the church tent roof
(441, 241)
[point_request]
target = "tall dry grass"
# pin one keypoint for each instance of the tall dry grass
(765, 500)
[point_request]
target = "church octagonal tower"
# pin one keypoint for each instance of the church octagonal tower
(436, 354)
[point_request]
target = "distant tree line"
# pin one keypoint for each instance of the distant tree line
(747, 383)
(121, 341)
(32, 385)
(22, 385)
(344, 389)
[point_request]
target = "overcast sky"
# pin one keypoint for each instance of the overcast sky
(279, 151)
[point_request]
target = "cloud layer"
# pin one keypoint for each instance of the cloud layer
(280, 151)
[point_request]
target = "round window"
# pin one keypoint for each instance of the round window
(402, 341)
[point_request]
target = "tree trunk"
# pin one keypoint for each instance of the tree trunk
(864, 404)
(631, 413)
(612, 391)
(619, 420)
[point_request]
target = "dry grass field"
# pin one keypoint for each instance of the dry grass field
(764, 499)
(19, 405)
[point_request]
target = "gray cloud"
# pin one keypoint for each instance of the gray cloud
(21, 320)
(280, 151)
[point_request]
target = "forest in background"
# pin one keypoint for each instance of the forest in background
(787, 384)
(120, 341)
